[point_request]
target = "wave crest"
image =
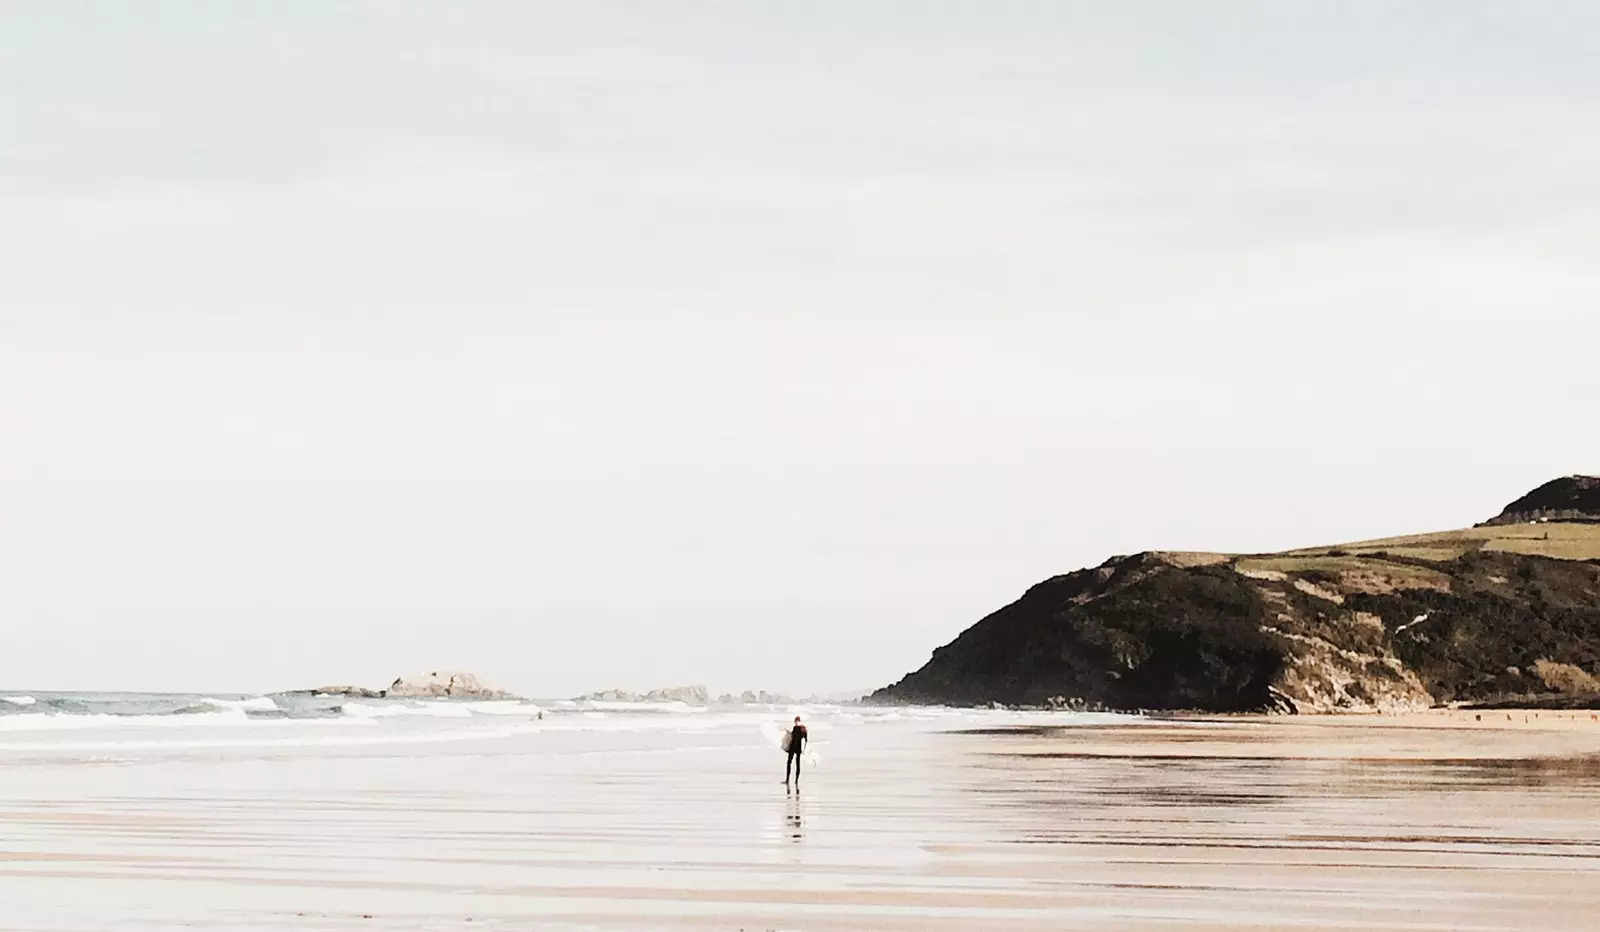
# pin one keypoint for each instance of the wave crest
(253, 704)
(56, 721)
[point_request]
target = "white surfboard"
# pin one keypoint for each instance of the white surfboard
(779, 738)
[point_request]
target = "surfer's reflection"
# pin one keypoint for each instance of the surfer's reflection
(792, 817)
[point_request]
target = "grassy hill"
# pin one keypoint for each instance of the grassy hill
(1559, 540)
(1496, 613)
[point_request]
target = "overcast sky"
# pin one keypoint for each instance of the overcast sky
(751, 344)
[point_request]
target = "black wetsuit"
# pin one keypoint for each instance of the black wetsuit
(797, 743)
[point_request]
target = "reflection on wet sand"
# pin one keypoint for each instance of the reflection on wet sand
(913, 824)
(1286, 824)
(793, 818)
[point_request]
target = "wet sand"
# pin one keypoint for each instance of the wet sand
(971, 821)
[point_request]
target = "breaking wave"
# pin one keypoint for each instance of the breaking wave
(143, 711)
(64, 721)
(57, 721)
(253, 704)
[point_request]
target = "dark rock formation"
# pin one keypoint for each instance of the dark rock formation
(348, 692)
(1135, 632)
(1570, 498)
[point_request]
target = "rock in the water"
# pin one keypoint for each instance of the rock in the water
(757, 697)
(693, 695)
(348, 692)
(444, 684)
(690, 695)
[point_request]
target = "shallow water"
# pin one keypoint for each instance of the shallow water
(912, 820)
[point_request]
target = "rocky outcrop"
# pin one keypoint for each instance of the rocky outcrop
(700, 696)
(761, 697)
(1570, 498)
(690, 695)
(437, 684)
(444, 685)
(346, 692)
(1335, 629)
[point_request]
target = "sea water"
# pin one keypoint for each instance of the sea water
(314, 811)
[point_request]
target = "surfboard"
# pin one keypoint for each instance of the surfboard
(779, 738)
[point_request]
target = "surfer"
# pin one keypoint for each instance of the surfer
(794, 743)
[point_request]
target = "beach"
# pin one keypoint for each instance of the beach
(632, 819)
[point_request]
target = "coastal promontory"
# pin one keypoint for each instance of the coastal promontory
(1507, 612)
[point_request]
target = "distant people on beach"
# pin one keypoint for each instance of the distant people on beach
(795, 744)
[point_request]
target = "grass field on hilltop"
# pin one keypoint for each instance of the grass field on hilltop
(1562, 540)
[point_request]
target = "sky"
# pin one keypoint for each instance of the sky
(591, 345)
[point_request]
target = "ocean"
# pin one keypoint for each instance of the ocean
(327, 814)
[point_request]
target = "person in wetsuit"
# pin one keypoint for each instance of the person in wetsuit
(797, 743)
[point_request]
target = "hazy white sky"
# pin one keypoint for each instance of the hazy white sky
(755, 344)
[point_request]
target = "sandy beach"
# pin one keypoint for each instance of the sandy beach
(911, 820)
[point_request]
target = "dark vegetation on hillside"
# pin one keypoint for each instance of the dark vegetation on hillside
(1133, 633)
(1503, 615)
(1570, 498)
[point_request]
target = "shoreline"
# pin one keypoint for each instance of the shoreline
(1443, 718)
(1442, 737)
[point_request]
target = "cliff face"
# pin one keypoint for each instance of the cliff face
(1479, 615)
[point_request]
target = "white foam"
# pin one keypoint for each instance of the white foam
(254, 704)
(270, 734)
(442, 708)
(49, 721)
(503, 707)
(619, 705)
(20, 700)
(612, 722)
(430, 710)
